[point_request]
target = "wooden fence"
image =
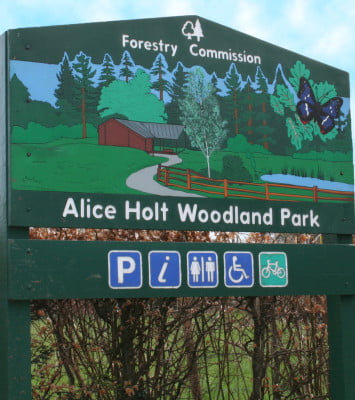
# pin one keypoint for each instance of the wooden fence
(188, 179)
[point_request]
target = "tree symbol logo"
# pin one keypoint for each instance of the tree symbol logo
(191, 30)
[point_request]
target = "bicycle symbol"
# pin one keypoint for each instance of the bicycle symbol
(274, 269)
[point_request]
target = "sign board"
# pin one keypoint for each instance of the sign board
(174, 123)
(170, 269)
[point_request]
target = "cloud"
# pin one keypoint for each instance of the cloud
(247, 18)
(103, 10)
(179, 7)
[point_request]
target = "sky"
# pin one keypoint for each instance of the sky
(322, 30)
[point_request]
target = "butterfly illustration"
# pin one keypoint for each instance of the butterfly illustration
(309, 109)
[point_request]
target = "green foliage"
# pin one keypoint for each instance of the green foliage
(83, 72)
(77, 165)
(36, 133)
(277, 105)
(128, 65)
(107, 74)
(283, 104)
(65, 90)
(24, 110)
(239, 144)
(86, 94)
(298, 71)
(179, 82)
(234, 169)
(285, 97)
(297, 132)
(132, 99)
(158, 70)
(326, 156)
(200, 114)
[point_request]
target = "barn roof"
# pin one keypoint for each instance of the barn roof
(153, 130)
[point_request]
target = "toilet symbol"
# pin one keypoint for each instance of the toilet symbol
(202, 269)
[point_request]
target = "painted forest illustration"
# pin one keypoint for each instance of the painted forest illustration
(237, 130)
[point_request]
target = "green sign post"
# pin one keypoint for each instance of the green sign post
(174, 123)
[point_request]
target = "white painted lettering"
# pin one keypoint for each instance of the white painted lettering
(110, 212)
(147, 213)
(133, 210)
(70, 208)
(314, 219)
(285, 214)
(88, 210)
(203, 216)
(97, 211)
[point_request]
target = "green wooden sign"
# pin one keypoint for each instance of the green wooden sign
(144, 269)
(174, 123)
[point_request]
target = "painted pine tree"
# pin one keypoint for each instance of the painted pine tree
(177, 92)
(107, 74)
(128, 66)
(86, 93)
(65, 93)
(232, 81)
(158, 71)
(18, 99)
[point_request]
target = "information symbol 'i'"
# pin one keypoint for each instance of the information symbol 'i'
(164, 269)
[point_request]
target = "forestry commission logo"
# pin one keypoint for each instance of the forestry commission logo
(190, 30)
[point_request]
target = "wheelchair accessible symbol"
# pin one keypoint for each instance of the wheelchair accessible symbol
(238, 269)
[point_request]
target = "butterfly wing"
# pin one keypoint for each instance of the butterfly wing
(328, 112)
(305, 111)
(308, 108)
(307, 104)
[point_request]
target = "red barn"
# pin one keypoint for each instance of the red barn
(139, 135)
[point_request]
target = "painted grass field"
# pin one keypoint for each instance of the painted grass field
(81, 165)
(76, 166)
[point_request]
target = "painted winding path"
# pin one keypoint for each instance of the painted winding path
(143, 180)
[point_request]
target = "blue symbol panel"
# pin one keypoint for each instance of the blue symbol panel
(125, 269)
(238, 269)
(202, 269)
(164, 269)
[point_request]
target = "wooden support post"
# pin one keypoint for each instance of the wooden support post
(341, 328)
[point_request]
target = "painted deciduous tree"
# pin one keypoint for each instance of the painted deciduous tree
(200, 113)
(132, 100)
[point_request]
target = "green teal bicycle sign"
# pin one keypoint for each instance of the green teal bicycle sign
(273, 269)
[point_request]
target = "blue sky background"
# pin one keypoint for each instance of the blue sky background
(322, 30)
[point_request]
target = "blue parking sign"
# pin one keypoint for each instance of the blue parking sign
(202, 269)
(238, 269)
(125, 269)
(164, 269)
